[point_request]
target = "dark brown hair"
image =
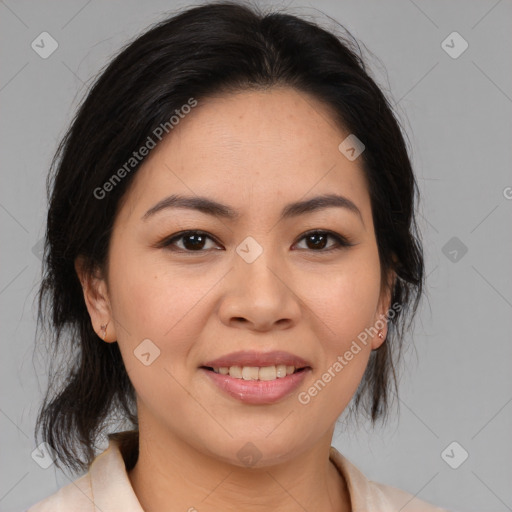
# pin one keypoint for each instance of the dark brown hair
(205, 50)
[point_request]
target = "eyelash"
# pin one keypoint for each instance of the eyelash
(341, 242)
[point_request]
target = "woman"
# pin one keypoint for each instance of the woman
(231, 256)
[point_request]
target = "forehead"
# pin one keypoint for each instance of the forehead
(252, 148)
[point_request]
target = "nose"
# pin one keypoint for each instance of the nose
(259, 296)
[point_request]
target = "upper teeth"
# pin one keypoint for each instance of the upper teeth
(255, 372)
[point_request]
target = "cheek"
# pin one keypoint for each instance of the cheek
(344, 311)
(345, 303)
(346, 300)
(150, 302)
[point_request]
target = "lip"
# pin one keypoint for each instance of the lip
(254, 358)
(258, 392)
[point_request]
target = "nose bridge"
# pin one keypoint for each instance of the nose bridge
(259, 292)
(258, 263)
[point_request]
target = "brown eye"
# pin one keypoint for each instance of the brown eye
(194, 242)
(317, 241)
(197, 241)
(191, 241)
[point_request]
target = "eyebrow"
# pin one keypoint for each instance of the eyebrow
(211, 207)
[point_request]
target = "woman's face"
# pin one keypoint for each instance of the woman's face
(253, 282)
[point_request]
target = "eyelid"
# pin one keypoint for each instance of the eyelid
(341, 240)
(167, 242)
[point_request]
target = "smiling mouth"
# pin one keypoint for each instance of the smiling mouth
(264, 373)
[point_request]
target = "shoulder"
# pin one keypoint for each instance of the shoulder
(369, 496)
(76, 494)
(402, 500)
(106, 486)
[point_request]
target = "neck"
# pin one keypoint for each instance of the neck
(170, 475)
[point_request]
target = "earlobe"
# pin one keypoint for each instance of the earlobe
(96, 299)
(381, 322)
(379, 339)
(104, 331)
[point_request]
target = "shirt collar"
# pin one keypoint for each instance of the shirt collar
(112, 489)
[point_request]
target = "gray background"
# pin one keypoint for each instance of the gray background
(457, 385)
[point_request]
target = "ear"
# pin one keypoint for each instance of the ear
(383, 308)
(95, 291)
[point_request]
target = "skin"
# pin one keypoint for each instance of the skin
(255, 151)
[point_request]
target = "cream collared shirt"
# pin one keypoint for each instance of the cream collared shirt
(106, 487)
